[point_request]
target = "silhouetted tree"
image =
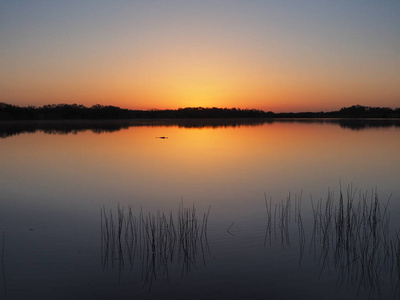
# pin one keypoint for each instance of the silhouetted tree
(75, 111)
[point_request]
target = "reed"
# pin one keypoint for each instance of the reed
(155, 239)
(2, 264)
(351, 234)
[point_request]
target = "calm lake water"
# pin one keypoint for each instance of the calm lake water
(260, 201)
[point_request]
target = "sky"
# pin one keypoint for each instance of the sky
(271, 55)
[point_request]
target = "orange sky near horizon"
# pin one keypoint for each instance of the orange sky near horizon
(171, 54)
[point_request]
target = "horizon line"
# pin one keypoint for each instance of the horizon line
(193, 107)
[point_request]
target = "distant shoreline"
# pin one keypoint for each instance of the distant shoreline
(10, 112)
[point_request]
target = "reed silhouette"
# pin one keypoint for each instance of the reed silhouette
(352, 235)
(2, 264)
(153, 241)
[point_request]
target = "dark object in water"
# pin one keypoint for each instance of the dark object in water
(161, 137)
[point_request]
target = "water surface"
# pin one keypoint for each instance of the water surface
(56, 177)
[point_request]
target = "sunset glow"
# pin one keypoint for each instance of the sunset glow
(279, 56)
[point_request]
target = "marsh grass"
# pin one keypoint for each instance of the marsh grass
(153, 240)
(2, 264)
(348, 235)
(351, 235)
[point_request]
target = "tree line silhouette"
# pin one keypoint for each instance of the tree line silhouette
(97, 112)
